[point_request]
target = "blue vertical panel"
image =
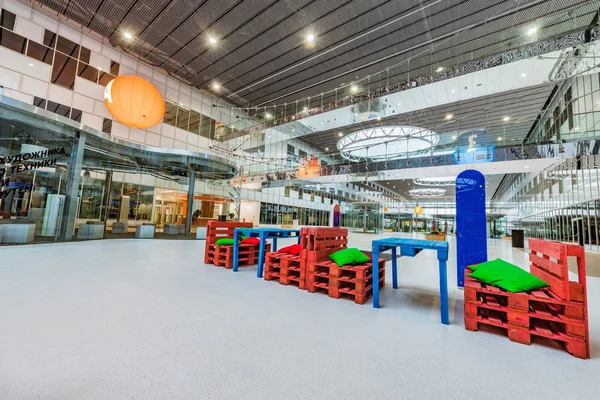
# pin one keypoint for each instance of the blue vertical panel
(471, 239)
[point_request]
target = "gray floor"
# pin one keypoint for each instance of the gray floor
(125, 319)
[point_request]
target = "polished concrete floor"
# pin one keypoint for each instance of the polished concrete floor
(146, 319)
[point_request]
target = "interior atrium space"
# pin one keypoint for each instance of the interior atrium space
(320, 199)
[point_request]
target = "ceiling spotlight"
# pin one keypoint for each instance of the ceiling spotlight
(378, 118)
(128, 35)
(310, 38)
(268, 116)
(439, 69)
(340, 134)
(532, 31)
(449, 116)
(453, 137)
(353, 89)
(326, 148)
(216, 86)
(506, 119)
(523, 75)
(212, 40)
(305, 108)
(499, 139)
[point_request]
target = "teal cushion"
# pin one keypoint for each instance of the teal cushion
(348, 256)
(507, 276)
(224, 241)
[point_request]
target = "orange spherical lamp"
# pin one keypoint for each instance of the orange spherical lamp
(134, 101)
(385, 209)
(418, 210)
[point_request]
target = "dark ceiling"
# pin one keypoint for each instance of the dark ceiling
(262, 57)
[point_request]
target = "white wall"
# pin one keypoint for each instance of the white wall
(25, 77)
(250, 211)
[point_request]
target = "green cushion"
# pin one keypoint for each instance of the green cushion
(351, 255)
(224, 241)
(507, 276)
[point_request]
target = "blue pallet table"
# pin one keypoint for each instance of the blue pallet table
(410, 248)
(263, 234)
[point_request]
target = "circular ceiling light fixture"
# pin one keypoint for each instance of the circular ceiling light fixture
(310, 38)
(387, 143)
(427, 192)
(439, 181)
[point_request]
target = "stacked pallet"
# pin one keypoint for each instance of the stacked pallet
(216, 230)
(286, 269)
(247, 255)
(317, 243)
(558, 312)
(353, 281)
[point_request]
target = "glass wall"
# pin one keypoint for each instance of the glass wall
(277, 214)
(562, 203)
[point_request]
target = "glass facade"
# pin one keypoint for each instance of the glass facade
(57, 176)
(276, 214)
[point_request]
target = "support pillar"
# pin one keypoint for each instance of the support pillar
(72, 191)
(190, 203)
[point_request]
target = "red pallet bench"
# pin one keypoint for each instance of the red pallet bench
(319, 242)
(216, 230)
(350, 280)
(247, 255)
(285, 268)
(557, 312)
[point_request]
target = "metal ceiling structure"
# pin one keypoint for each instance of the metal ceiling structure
(261, 56)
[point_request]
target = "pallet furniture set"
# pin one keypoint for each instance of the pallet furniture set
(558, 312)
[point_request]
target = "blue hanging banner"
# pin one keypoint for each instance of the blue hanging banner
(471, 239)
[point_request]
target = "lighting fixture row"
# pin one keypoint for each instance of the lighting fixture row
(310, 40)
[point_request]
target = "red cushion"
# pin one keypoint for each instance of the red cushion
(251, 240)
(294, 249)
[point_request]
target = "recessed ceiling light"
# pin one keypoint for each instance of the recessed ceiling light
(268, 116)
(499, 138)
(326, 148)
(305, 108)
(378, 118)
(532, 31)
(449, 116)
(310, 38)
(212, 40)
(439, 69)
(216, 86)
(340, 134)
(506, 119)
(128, 35)
(31, 65)
(353, 89)
(453, 137)
(523, 75)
